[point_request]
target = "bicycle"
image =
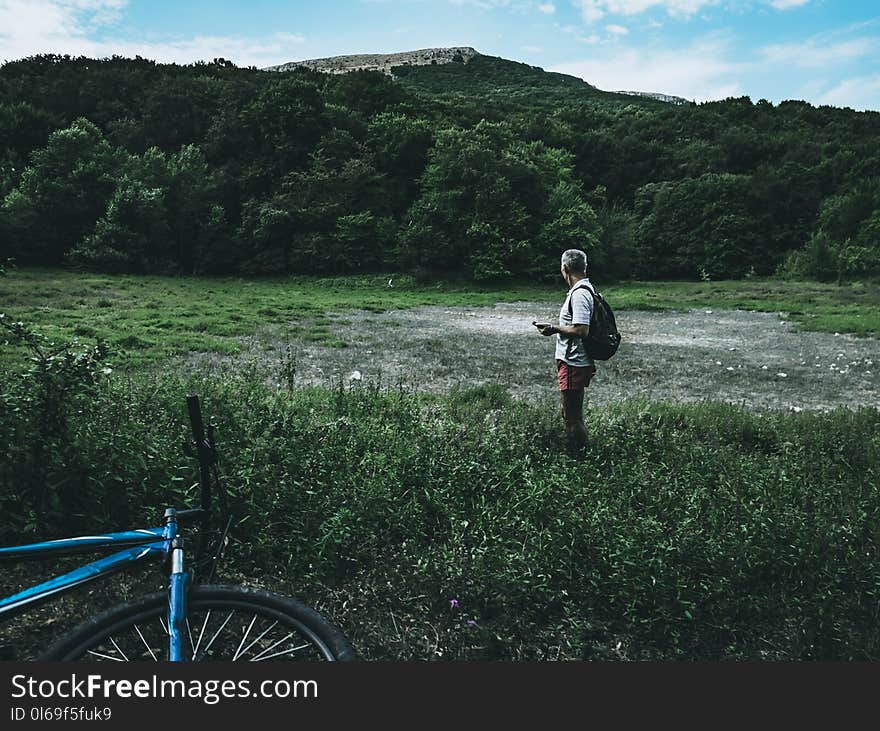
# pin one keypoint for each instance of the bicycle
(191, 621)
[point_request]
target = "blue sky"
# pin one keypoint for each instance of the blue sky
(824, 51)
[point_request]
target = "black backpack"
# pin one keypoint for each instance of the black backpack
(603, 340)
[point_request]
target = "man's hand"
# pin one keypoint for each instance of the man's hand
(545, 328)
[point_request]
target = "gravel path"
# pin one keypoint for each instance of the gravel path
(735, 356)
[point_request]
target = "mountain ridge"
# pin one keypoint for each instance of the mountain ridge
(399, 63)
(382, 62)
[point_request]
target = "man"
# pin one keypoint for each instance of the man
(575, 369)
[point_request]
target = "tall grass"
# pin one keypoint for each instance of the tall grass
(700, 532)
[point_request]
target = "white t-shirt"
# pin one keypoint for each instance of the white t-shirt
(571, 350)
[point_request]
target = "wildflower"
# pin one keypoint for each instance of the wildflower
(472, 623)
(453, 603)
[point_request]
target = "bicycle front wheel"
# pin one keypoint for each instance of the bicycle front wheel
(223, 623)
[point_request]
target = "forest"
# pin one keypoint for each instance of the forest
(480, 171)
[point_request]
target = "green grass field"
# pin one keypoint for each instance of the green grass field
(146, 319)
(702, 531)
(813, 306)
(685, 532)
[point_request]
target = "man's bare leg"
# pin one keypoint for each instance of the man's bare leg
(573, 417)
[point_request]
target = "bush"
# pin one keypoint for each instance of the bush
(817, 260)
(825, 260)
(700, 532)
(42, 479)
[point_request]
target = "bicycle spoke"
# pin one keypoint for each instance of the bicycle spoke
(283, 652)
(271, 647)
(244, 639)
(201, 633)
(265, 632)
(119, 650)
(222, 624)
(103, 656)
(149, 649)
(205, 651)
(190, 633)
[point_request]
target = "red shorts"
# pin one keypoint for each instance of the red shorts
(573, 378)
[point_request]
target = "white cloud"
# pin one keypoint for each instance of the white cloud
(547, 8)
(820, 51)
(259, 52)
(30, 27)
(860, 93)
(593, 10)
(788, 4)
(617, 30)
(701, 71)
(835, 67)
(20, 17)
(485, 4)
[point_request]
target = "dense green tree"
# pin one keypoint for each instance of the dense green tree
(23, 128)
(487, 168)
(845, 215)
(400, 147)
(265, 238)
(280, 129)
(319, 221)
(704, 226)
(570, 223)
(617, 247)
(365, 92)
(132, 235)
(61, 194)
(848, 240)
(197, 231)
(468, 211)
(179, 112)
(497, 204)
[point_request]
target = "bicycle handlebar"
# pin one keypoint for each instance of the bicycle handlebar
(204, 450)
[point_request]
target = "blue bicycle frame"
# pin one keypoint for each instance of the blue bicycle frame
(141, 545)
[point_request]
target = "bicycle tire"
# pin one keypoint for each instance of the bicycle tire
(137, 630)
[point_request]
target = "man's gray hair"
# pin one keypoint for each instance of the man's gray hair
(575, 261)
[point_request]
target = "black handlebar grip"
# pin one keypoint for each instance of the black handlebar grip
(195, 418)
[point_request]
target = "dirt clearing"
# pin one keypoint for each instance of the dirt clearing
(740, 357)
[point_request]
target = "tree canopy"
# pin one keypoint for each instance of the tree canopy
(486, 169)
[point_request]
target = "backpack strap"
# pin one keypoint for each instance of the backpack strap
(577, 287)
(571, 340)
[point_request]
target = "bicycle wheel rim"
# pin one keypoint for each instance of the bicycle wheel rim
(224, 623)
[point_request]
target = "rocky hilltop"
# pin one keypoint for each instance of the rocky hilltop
(386, 62)
(383, 62)
(669, 99)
